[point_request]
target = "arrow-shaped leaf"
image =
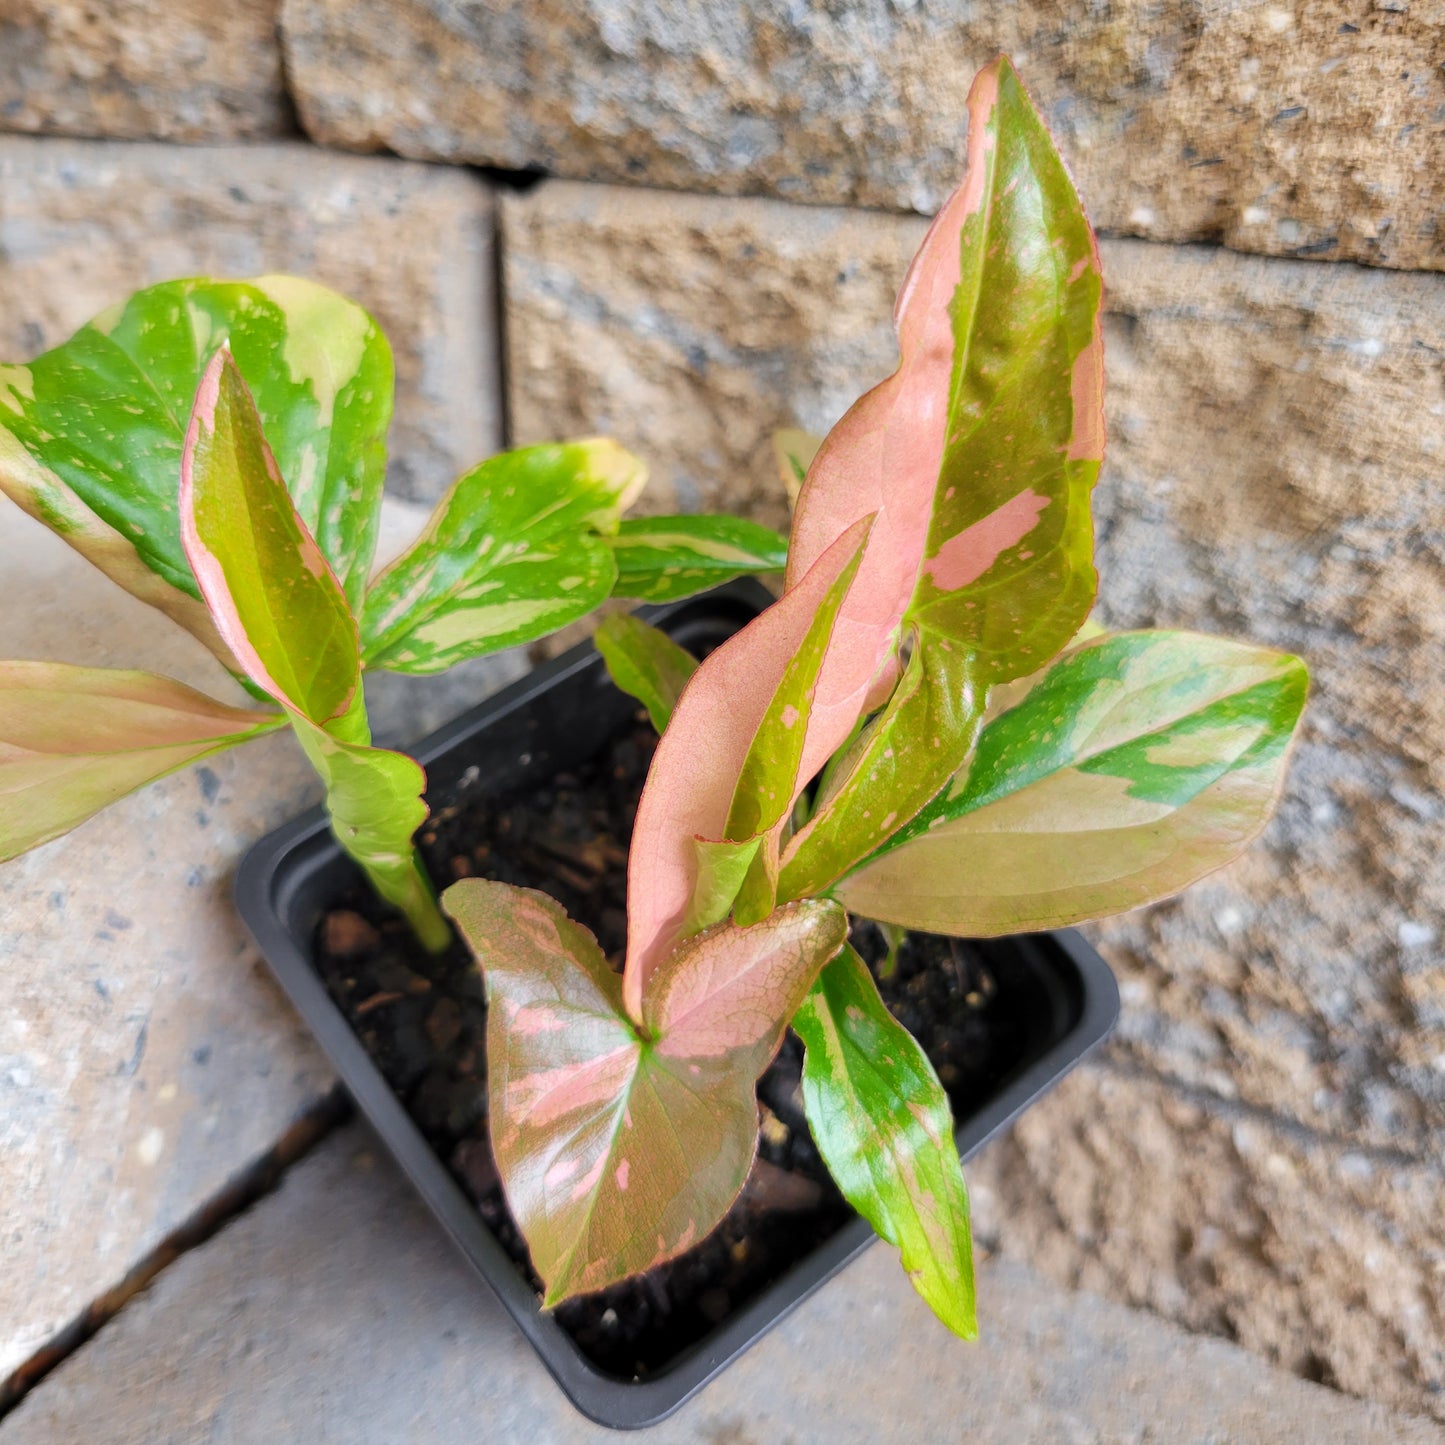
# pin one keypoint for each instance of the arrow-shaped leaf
(75, 739)
(883, 1126)
(622, 1142)
(513, 551)
(91, 433)
(1136, 765)
(645, 663)
(660, 559)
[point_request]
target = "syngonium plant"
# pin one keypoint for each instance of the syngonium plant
(218, 449)
(921, 732)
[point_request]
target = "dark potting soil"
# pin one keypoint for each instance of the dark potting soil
(423, 1020)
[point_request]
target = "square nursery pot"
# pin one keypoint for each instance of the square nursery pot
(1057, 995)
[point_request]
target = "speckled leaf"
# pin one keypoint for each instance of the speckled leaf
(645, 663)
(1136, 765)
(882, 1123)
(618, 1145)
(278, 605)
(512, 552)
(660, 559)
(75, 739)
(91, 433)
(694, 777)
(977, 456)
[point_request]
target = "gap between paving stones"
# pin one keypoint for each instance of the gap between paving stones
(261, 1177)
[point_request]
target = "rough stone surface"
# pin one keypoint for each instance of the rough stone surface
(1276, 435)
(337, 1311)
(84, 224)
(146, 1056)
(690, 328)
(1285, 128)
(1327, 1261)
(177, 70)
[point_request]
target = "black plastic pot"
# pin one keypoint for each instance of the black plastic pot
(561, 714)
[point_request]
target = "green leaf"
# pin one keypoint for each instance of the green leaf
(708, 747)
(1008, 564)
(512, 552)
(977, 457)
(621, 1141)
(75, 739)
(922, 736)
(722, 868)
(645, 663)
(660, 559)
(278, 605)
(374, 799)
(1137, 764)
(793, 453)
(883, 1126)
(91, 433)
(284, 615)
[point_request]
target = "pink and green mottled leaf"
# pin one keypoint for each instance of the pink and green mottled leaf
(73, 740)
(618, 1145)
(276, 602)
(645, 663)
(977, 456)
(882, 1123)
(1136, 765)
(513, 551)
(695, 773)
(284, 616)
(91, 433)
(661, 559)
(927, 728)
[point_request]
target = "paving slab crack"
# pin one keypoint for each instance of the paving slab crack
(1236, 1110)
(245, 1189)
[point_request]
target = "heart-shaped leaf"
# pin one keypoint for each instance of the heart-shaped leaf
(620, 1142)
(1137, 764)
(91, 433)
(660, 559)
(645, 663)
(882, 1123)
(513, 551)
(978, 456)
(75, 739)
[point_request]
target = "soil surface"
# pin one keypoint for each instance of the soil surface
(423, 1020)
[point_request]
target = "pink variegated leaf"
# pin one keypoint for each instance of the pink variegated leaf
(618, 1145)
(978, 456)
(275, 599)
(692, 786)
(75, 739)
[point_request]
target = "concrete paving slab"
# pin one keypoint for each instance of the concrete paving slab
(336, 1311)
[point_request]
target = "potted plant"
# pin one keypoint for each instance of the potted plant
(249, 515)
(921, 741)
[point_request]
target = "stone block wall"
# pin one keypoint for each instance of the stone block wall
(733, 192)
